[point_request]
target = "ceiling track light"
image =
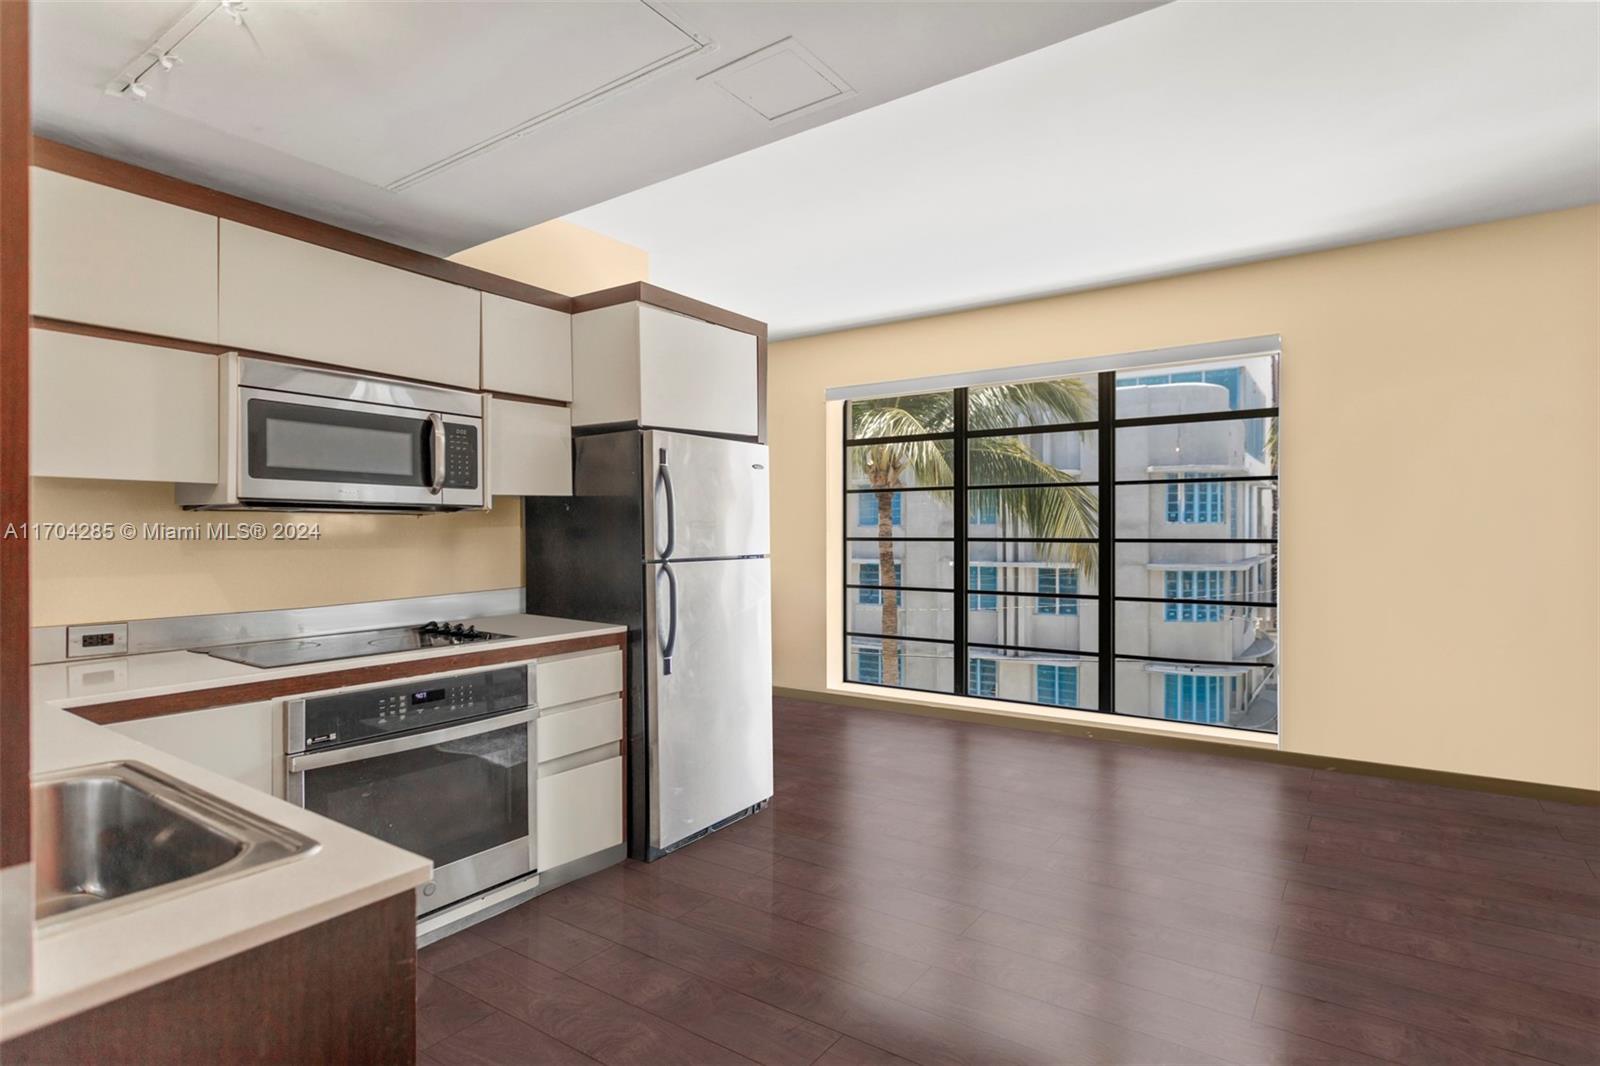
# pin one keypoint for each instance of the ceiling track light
(162, 52)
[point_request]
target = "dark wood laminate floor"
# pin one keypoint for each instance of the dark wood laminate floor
(929, 892)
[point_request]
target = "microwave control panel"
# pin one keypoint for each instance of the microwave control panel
(460, 456)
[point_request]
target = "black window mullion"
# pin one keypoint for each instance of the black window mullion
(1106, 612)
(958, 683)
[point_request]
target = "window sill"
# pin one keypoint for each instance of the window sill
(1027, 712)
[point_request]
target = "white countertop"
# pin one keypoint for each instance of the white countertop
(82, 964)
(163, 673)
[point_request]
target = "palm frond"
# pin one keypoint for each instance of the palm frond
(1030, 402)
(899, 416)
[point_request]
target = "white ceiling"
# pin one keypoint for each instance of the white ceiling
(442, 125)
(1189, 136)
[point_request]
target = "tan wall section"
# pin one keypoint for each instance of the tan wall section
(1441, 467)
(359, 557)
(560, 256)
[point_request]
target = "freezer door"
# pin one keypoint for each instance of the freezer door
(705, 498)
(708, 649)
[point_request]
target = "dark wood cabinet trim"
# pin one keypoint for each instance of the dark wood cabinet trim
(520, 398)
(250, 691)
(667, 300)
(77, 163)
(14, 612)
(57, 325)
(342, 991)
(646, 293)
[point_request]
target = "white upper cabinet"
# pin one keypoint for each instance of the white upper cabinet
(110, 258)
(287, 297)
(527, 349)
(530, 448)
(637, 363)
(104, 408)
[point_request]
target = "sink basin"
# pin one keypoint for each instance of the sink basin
(119, 834)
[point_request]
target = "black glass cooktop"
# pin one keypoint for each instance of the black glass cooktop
(297, 650)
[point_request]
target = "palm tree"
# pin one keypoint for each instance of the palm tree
(997, 460)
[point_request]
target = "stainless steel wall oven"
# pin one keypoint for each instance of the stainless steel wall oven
(440, 766)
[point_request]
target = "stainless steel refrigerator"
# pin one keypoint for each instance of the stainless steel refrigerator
(667, 533)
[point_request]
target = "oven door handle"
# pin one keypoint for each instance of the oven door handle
(436, 420)
(315, 760)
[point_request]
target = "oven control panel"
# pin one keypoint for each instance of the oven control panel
(428, 703)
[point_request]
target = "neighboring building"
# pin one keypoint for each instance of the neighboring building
(1040, 650)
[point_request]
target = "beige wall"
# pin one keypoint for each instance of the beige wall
(1440, 407)
(561, 257)
(359, 557)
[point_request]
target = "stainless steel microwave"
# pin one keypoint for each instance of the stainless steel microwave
(301, 438)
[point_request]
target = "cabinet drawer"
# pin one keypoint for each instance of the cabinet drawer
(581, 675)
(112, 258)
(579, 727)
(580, 812)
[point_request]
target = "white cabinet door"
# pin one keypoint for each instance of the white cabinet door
(695, 375)
(129, 412)
(110, 258)
(527, 349)
(237, 741)
(580, 812)
(530, 448)
(287, 297)
(637, 363)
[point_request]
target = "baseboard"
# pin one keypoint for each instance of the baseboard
(1111, 734)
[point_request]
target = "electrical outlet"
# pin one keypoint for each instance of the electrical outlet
(84, 641)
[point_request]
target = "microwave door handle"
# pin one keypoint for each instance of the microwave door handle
(358, 752)
(436, 420)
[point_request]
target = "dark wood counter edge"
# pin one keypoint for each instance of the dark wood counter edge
(1445, 778)
(14, 611)
(77, 163)
(198, 699)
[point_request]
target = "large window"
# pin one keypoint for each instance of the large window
(1100, 541)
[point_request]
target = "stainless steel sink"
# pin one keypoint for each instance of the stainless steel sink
(115, 835)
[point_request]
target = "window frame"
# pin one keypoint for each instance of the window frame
(1211, 500)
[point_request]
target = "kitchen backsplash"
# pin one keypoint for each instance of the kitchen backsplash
(111, 550)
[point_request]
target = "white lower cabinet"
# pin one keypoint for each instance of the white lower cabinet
(580, 811)
(238, 741)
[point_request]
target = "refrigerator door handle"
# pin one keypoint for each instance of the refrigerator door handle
(669, 640)
(672, 507)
